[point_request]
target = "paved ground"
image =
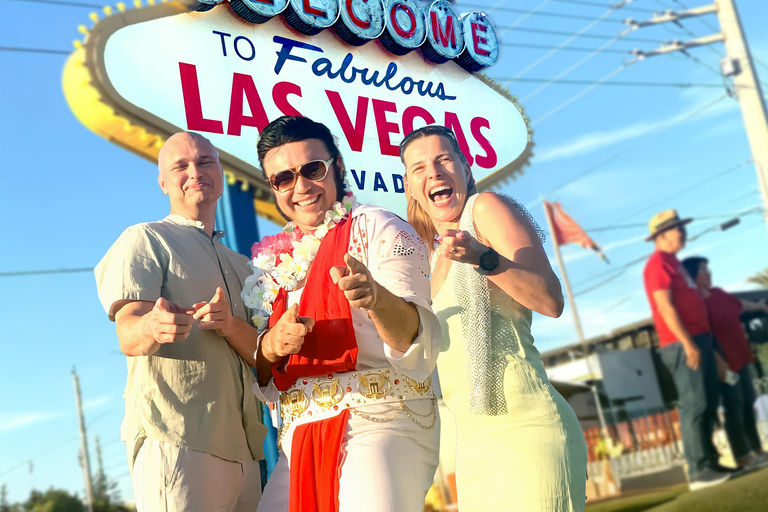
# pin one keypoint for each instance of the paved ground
(748, 493)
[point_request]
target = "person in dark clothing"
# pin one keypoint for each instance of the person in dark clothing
(724, 310)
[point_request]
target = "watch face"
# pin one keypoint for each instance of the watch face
(489, 260)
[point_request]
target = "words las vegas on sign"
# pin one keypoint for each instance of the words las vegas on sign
(371, 70)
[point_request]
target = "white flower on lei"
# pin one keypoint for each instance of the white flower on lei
(260, 289)
(290, 271)
(306, 248)
(269, 289)
(260, 320)
(264, 263)
(251, 290)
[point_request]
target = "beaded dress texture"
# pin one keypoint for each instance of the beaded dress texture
(519, 443)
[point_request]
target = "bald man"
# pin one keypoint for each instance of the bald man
(192, 425)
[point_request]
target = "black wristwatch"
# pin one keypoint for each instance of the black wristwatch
(489, 260)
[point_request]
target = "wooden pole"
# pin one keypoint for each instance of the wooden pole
(83, 445)
(572, 303)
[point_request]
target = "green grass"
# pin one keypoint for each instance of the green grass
(638, 502)
(746, 494)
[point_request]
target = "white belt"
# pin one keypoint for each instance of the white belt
(322, 396)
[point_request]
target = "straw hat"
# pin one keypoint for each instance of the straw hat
(663, 221)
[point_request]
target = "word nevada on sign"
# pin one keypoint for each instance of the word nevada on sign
(163, 69)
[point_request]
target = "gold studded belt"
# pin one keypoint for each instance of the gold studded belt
(321, 396)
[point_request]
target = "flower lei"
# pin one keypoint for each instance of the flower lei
(283, 260)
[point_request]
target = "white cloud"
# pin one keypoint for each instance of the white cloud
(15, 421)
(601, 139)
(95, 403)
(11, 421)
(594, 141)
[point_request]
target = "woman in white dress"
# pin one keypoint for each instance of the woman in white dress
(519, 443)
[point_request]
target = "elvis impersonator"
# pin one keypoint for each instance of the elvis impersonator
(347, 338)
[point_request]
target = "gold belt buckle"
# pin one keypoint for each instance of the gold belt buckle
(419, 387)
(327, 393)
(294, 402)
(374, 384)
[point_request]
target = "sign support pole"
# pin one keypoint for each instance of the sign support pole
(576, 321)
(236, 216)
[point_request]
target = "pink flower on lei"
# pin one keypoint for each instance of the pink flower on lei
(276, 244)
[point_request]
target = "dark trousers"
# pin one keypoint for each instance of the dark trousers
(698, 394)
(740, 421)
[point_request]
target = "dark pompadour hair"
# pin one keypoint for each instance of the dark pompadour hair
(287, 129)
(693, 264)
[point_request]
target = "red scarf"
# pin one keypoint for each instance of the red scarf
(331, 347)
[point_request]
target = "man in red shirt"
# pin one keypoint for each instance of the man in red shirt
(686, 346)
(738, 399)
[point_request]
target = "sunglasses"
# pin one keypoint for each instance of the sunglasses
(432, 129)
(314, 170)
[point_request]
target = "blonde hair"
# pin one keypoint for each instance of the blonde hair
(417, 216)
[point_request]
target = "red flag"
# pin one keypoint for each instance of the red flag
(567, 231)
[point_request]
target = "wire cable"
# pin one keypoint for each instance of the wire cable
(680, 85)
(39, 454)
(572, 2)
(580, 94)
(574, 66)
(536, 12)
(658, 131)
(33, 50)
(568, 49)
(685, 190)
(41, 272)
(566, 42)
(587, 36)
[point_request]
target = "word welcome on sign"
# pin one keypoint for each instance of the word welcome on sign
(231, 77)
(400, 25)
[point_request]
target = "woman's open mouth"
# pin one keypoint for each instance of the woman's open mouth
(440, 195)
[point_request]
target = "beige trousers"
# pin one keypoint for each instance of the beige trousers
(170, 478)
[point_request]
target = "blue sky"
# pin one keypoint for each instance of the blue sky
(68, 194)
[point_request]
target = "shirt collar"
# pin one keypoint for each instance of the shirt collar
(183, 221)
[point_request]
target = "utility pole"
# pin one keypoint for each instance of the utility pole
(83, 444)
(576, 320)
(738, 65)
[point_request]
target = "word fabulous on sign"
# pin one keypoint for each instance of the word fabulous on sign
(400, 25)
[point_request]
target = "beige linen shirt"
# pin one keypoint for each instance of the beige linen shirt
(194, 393)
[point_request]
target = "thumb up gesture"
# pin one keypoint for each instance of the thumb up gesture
(168, 323)
(354, 279)
(215, 314)
(287, 335)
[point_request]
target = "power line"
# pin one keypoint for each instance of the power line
(658, 131)
(520, 19)
(622, 269)
(568, 49)
(572, 2)
(593, 22)
(578, 64)
(39, 454)
(556, 15)
(687, 189)
(681, 85)
(41, 272)
(598, 4)
(33, 50)
(587, 36)
(580, 94)
(729, 215)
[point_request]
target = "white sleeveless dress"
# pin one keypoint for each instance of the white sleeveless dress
(519, 444)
